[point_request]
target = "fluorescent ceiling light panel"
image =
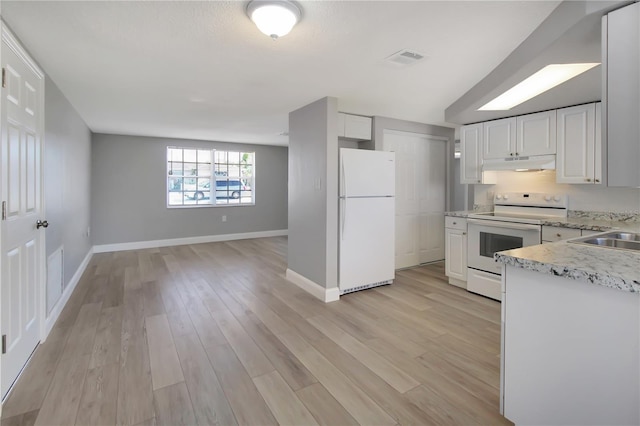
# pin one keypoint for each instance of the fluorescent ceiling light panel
(545, 79)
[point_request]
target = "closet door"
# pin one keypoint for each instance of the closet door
(420, 196)
(432, 183)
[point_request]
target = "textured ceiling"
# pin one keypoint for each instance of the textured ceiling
(202, 70)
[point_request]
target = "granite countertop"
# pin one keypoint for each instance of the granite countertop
(593, 225)
(459, 213)
(618, 269)
(585, 223)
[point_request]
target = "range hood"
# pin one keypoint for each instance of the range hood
(530, 162)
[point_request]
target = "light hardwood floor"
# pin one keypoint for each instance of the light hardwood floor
(213, 334)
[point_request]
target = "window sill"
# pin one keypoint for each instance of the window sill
(195, 206)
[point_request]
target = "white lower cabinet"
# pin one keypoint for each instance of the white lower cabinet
(551, 234)
(456, 251)
(564, 362)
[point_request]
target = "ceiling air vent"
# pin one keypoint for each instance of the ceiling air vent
(405, 57)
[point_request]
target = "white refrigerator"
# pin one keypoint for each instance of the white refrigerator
(367, 219)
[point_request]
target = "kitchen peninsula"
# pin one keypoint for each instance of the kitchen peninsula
(571, 334)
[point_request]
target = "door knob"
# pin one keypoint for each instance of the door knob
(42, 224)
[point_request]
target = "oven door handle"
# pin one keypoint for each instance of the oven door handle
(508, 225)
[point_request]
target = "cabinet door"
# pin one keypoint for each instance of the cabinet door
(555, 233)
(357, 127)
(471, 152)
(623, 96)
(536, 134)
(456, 254)
(575, 162)
(499, 138)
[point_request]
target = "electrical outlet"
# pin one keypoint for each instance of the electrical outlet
(224, 218)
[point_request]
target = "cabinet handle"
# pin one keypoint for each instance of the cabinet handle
(464, 233)
(511, 154)
(558, 235)
(588, 180)
(516, 154)
(596, 180)
(455, 223)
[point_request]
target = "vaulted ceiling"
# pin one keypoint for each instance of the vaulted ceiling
(202, 70)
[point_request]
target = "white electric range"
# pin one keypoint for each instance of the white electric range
(515, 222)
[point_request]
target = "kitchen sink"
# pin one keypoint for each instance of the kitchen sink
(615, 240)
(627, 236)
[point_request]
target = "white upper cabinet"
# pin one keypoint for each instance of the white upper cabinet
(621, 51)
(471, 153)
(354, 127)
(499, 138)
(471, 147)
(536, 134)
(531, 134)
(579, 158)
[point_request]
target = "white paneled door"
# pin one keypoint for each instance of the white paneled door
(432, 183)
(20, 239)
(420, 196)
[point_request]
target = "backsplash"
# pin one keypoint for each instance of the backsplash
(583, 199)
(632, 217)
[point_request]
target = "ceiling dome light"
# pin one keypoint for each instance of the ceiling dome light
(275, 18)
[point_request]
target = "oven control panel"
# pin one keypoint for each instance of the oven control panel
(531, 199)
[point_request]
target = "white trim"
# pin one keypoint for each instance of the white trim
(315, 289)
(103, 248)
(13, 44)
(48, 283)
(66, 294)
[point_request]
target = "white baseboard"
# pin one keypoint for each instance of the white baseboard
(315, 289)
(103, 248)
(66, 294)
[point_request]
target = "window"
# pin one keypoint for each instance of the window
(204, 177)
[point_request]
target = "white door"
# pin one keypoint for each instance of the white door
(420, 196)
(406, 244)
(432, 184)
(21, 242)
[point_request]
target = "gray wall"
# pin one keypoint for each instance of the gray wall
(67, 177)
(313, 192)
(129, 201)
